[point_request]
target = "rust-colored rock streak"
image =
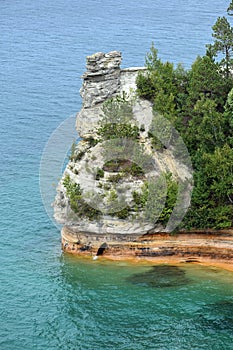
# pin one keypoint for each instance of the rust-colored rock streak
(209, 246)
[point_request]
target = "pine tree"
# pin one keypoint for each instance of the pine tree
(223, 34)
(230, 9)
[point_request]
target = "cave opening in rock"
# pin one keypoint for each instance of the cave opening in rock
(102, 249)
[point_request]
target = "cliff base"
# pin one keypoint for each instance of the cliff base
(209, 246)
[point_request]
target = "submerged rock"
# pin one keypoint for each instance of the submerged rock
(160, 276)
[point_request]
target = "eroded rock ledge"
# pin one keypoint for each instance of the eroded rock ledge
(194, 246)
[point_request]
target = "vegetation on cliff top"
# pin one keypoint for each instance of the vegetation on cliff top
(199, 103)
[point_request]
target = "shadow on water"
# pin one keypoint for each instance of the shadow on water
(160, 276)
(217, 316)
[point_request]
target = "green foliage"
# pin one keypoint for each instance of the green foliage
(199, 103)
(123, 213)
(142, 128)
(172, 190)
(134, 170)
(155, 142)
(152, 60)
(156, 198)
(126, 167)
(117, 109)
(92, 141)
(212, 199)
(77, 203)
(230, 9)
(228, 115)
(99, 174)
(116, 178)
(158, 84)
(72, 189)
(160, 131)
(223, 44)
(113, 165)
(112, 130)
(77, 156)
(165, 86)
(117, 119)
(74, 154)
(206, 79)
(112, 196)
(207, 126)
(151, 198)
(73, 151)
(145, 87)
(141, 198)
(116, 165)
(219, 170)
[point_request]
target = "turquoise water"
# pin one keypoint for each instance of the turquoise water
(50, 300)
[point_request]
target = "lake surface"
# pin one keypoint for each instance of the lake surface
(53, 301)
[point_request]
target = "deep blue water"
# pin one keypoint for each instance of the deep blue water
(49, 300)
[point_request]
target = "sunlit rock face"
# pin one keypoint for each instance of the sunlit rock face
(102, 78)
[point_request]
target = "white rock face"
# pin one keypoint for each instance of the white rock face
(102, 78)
(128, 78)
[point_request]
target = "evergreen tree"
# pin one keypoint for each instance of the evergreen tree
(206, 128)
(230, 9)
(223, 34)
(206, 79)
(199, 103)
(229, 118)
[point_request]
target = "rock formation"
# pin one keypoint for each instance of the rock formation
(101, 197)
(102, 78)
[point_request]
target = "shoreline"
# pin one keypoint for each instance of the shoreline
(212, 263)
(207, 248)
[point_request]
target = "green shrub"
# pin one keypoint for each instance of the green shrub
(92, 141)
(77, 203)
(99, 174)
(117, 120)
(112, 196)
(115, 178)
(123, 213)
(79, 155)
(172, 191)
(110, 131)
(140, 198)
(73, 151)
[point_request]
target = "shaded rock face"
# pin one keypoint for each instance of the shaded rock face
(102, 78)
